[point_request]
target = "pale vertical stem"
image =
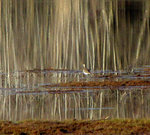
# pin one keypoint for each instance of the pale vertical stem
(56, 33)
(131, 105)
(72, 46)
(79, 106)
(56, 51)
(129, 48)
(101, 103)
(114, 57)
(117, 53)
(16, 108)
(41, 46)
(66, 109)
(60, 45)
(67, 45)
(142, 97)
(59, 108)
(104, 52)
(75, 106)
(4, 107)
(1, 103)
(92, 106)
(77, 54)
(97, 42)
(22, 29)
(3, 23)
(148, 40)
(12, 40)
(86, 24)
(78, 27)
(29, 27)
(93, 50)
(7, 51)
(39, 42)
(8, 55)
(116, 36)
(51, 35)
(108, 20)
(88, 102)
(32, 112)
(45, 35)
(82, 33)
(55, 105)
(106, 35)
(116, 16)
(13, 46)
(140, 37)
(118, 103)
(123, 109)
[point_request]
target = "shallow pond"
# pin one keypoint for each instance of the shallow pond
(41, 94)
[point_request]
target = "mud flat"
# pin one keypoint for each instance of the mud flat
(105, 127)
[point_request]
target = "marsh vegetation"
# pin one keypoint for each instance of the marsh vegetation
(43, 45)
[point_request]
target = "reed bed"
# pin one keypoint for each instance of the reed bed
(66, 34)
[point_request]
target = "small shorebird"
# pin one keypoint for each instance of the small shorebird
(85, 70)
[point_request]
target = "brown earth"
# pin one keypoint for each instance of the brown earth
(103, 127)
(107, 83)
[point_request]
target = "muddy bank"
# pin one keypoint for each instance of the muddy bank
(76, 127)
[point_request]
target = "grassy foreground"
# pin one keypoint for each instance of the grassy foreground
(104, 127)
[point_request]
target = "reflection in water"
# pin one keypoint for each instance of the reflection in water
(30, 95)
(87, 105)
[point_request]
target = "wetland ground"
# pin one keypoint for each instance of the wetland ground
(103, 127)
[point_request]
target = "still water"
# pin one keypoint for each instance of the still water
(32, 95)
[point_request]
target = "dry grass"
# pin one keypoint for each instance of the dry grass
(76, 127)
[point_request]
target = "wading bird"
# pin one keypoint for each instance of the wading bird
(85, 70)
